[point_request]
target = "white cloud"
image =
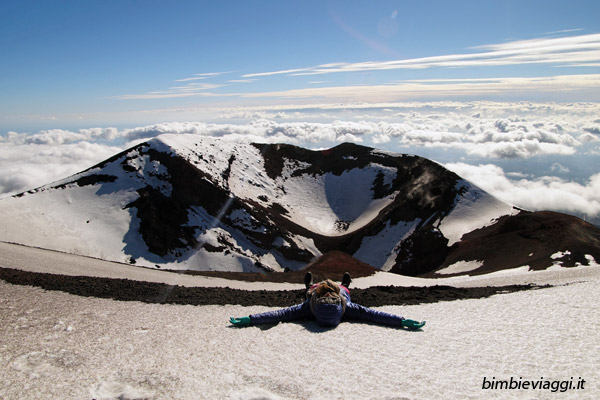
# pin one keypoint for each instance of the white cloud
(497, 130)
(242, 80)
(159, 95)
(544, 193)
(587, 86)
(202, 76)
(594, 129)
(588, 138)
(192, 87)
(559, 168)
(580, 49)
(195, 78)
(60, 136)
(565, 31)
(28, 165)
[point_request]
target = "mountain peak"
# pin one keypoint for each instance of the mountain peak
(191, 202)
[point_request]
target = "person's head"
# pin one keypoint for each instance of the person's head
(327, 304)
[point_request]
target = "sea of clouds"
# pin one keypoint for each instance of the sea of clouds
(533, 155)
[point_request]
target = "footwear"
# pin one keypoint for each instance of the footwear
(346, 280)
(308, 280)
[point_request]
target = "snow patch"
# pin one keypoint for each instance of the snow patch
(334, 205)
(473, 210)
(151, 172)
(240, 217)
(560, 254)
(381, 250)
(255, 394)
(557, 266)
(511, 271)
(557, 256)
(45, 364)
(591, 261)
(110, 390)
(94, 225)
(460, 267)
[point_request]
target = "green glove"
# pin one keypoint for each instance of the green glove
(411, 324)
(243, 321)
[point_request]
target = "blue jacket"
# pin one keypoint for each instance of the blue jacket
(353, 312)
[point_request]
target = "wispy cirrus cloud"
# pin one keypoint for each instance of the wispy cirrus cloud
(189, 90)
(242, 80)
(162, 95)
(194, 87)
(186, 89)
(429, 88)
(195, 78)
(205, 75)
(574, 51)
(585, 85)
(581, 49)
(564, 31)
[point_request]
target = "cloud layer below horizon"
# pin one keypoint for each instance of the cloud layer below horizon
(480, 138)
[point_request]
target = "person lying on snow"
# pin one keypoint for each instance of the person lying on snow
(328, 303)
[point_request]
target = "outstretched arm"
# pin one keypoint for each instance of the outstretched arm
(361, 313)
(293, 313)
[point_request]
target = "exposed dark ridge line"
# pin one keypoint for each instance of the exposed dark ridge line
(161, 293)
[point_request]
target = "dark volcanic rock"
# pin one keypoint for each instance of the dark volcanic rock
(147, 292)
(421, 253)
(528, 238)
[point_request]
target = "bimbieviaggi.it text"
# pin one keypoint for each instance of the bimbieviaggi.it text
(533, 384)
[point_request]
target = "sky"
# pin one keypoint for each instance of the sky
(507, 93)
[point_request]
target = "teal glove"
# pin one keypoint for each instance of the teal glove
(243, 321)
(411, 324)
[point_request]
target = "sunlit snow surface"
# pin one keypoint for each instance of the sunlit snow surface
(56, 345)
(474, 210)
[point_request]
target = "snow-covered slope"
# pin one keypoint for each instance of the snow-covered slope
(60, 346)
(192, 202)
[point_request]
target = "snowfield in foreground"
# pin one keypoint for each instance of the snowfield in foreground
(56, 345)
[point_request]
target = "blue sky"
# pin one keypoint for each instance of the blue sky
(506, 93)
(68, 63)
